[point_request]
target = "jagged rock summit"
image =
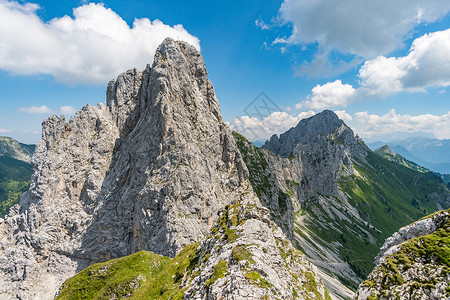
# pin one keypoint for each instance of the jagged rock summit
(311, 130)
(149, 171)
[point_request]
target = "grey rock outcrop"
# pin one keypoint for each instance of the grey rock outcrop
(413, 263)
(149, 171)
(249, 257)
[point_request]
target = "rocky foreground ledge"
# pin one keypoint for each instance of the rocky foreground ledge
(414, 263)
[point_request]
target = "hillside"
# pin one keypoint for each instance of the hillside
(413, 263)
(15, 172)
(433, 154)
(334, 198)
(11, 148)
(388, 154)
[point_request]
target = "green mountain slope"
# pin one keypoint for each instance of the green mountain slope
(15, 172)
(341, 231)
(11, 148)
(417, 264)
(388, 154)
(14, 180)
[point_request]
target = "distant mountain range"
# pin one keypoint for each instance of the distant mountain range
(15, 172)
(433, 154)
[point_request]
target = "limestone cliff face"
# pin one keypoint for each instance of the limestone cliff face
(148, 171)
(413, 263)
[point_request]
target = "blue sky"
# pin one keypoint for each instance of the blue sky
(382, 68)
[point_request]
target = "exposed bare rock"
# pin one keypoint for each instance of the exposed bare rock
(249, 257)
(149, 171)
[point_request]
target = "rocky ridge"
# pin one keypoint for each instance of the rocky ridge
(387, 153)
(334, 198)
(149, 171)
(414, 263)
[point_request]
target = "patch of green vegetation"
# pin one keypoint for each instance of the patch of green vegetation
(256, 165)
(282, 201)
(240, 252)
(142, 275)
(231, 235)
(220, 271)
(311, 285)
(14, 180)
(428, 249)
(255, 278)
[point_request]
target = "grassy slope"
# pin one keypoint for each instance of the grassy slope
(14, 180)
(142, 275)
(389, 155)
(387, 195)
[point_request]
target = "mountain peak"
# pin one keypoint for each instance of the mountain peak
(325, 123)
(385, 150)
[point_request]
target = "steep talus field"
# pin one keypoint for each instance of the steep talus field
(156, 169)
(15, 172)
(334, 198)
(414, 263)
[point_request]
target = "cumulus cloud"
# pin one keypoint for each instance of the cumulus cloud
(426, 65)
(364, 28)
(68, 110)
(331, 94)
(343, 115)
(275, 123)
(4, 130)
(91, 48)
(368, 125)
(36, 110)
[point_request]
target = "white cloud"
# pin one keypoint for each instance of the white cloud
(364, 28)
(368, 125)
(68, 110)
(275, 123)
(4, 130)
(426, 65)
(36, 110)
(91, 48)
(343, 115)
(331, 94)
(261, 24)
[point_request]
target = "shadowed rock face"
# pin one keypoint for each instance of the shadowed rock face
(148, 171)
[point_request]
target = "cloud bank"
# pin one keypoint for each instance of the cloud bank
(365, 124)
(426, 66)
(91, 48)
(365, 28)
